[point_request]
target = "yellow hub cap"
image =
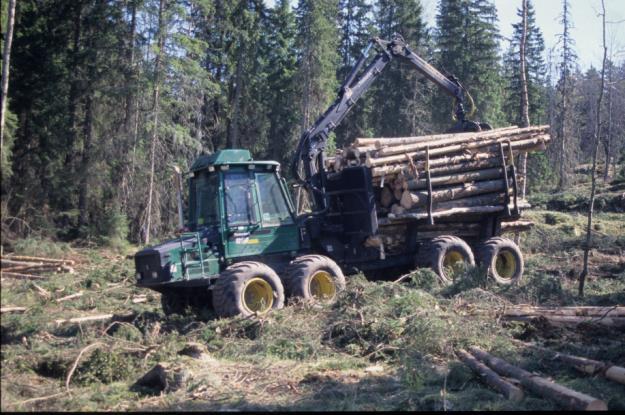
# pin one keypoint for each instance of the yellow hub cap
(505, 264)
(257, 296)
(453, 261)
(322, 286)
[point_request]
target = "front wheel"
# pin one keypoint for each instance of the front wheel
(314, 277)
(247, 288)
(502, 259)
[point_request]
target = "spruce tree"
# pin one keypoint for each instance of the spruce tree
(535, 71)
(356, 29)
(317, 45)
(401, 97)
(281, 70)
(467, 42)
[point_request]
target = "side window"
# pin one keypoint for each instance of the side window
(206, 198)
(238, 195)
(272, 203)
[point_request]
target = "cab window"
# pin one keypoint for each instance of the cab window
(273, 206)
(206, 198)
(239, 203)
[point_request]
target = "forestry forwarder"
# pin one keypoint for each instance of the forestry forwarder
(249, 248)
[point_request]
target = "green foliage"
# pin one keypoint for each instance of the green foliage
(105, 367)
(42, 247)
(425, 279)
(535, 72)
(467, 42)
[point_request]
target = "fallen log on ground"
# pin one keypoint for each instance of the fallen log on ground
(94, 318)
(37, 259)
(581, 311)
(491, 378)
(583, 364)
(571, 321)
(69, 297)
(12, 310)
(19, 276)
(567, 398)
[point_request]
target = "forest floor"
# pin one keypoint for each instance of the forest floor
(380, 346)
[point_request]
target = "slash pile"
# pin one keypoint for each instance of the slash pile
(450, 176)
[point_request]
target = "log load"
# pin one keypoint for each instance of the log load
(444, 175)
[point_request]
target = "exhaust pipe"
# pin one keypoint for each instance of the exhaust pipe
(179, 195)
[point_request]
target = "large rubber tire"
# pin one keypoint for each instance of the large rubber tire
(313, 277)
(247, 288)
(442, 252)
(502, 259)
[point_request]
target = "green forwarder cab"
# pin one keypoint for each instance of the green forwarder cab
(243, 233)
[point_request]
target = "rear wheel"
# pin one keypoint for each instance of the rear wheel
(247, 288)
(502, 259)
(447, 255)
(314, 277)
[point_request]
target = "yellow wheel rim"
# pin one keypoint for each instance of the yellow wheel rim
(257, 296)
(505, 264)
(322, 286)
(453, 261)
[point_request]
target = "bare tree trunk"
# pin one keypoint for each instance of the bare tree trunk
(6, 60)
(582, 277)
(608, 141)
(130, 54)
(525, 117)
(155, 108)
(565, 75)
(86, 161)
(233, 126)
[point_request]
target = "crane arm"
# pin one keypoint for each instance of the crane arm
(311, 146)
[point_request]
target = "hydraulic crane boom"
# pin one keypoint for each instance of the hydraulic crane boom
(311, 146)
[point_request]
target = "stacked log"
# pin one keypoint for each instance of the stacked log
(445, 175)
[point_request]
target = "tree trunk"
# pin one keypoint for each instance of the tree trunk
(608, 141)
(155, 109)
(412, 199)
(491, 378)
(130, 59)
(85, 162)
(591, 205)
(525, 117)
(6, 62)
(568, 398)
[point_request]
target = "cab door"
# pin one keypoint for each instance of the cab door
(257, 215)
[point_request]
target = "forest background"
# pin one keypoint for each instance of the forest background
(105, 97)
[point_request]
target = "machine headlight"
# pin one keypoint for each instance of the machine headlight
(173, 268)
(138, 276)
(154, 274)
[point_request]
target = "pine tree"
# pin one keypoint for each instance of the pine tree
(402, 96)
(467, 42)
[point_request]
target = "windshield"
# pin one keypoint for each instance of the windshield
(272, 204)
(239, 207)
